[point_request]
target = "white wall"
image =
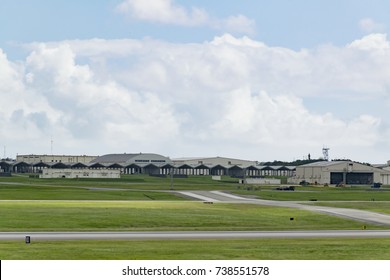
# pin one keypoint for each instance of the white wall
(261, 181)
(215, 161)
(55, 158)
(79, 173)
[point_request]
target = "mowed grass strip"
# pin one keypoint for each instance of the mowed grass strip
(159, 216)
(319, 194)
(374, 206)
(141, 182)
(234, 249)
(80, 193)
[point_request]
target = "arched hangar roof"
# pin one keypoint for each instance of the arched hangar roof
(126, 159)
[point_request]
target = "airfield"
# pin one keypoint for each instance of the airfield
(155, 218)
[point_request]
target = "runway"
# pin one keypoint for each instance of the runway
(189, 235)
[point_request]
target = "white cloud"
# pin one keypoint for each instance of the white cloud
(369, 25)
(229, 97)
(240, 24)
(163, 11)
(168, 12)
(25, 115)
(283, 121)
(376, 41)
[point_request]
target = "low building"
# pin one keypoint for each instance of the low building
(215, 166)
(229, 166)
(6, 166)
(126, 159)
(67, 159)
(260, 181)
(212, 161)
(339, 172)
(148, 163)
(79, 173)
(144, 163)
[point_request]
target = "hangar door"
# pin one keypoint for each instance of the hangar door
(352, 178)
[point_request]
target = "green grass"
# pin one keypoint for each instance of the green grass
(234, 249)
(137, 203)
(128, 187)
(80, 193)
(141, 182)
(24, 187)
(156, 216)
(319, 194)
(374, 206)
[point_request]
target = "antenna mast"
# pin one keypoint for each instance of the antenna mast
(51, 145)
(325, 152)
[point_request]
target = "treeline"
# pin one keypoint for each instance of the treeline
(364, 163)
(304, 161)
(291, 163)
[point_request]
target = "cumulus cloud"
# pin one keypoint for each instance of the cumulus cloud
(376, 41)
(240, 24)
(283, 121)
(163, 11)
(230, 97)
(168, 12)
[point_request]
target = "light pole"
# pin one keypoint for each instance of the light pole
(171, 173)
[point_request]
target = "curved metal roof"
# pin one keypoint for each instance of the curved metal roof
(125, 159)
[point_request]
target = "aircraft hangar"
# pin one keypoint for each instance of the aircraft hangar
(340, 172)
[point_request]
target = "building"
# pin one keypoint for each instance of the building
(5, 168)
(229, 166)
(340, 172)
(216, 166)
(154, 164)
(214, 161)
(145, 163)
(260, 181)
(124, 159)
(67, 159)
(79, 173)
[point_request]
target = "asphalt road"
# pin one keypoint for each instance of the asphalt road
(40, 236)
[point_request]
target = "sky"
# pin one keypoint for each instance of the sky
(257, 80)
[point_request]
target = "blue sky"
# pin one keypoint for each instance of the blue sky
(260, 80)
(294, 24)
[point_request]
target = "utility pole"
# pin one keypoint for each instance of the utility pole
(244, 178)
(51, 145)
(171, 173)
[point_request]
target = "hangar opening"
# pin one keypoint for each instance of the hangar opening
(355, 178)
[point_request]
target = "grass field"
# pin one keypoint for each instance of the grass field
(320, 194)
(22, 192)
(374, 206)
(157, 216)
(140, 182)
(234, 249)
(24, 187)
(142, 203)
